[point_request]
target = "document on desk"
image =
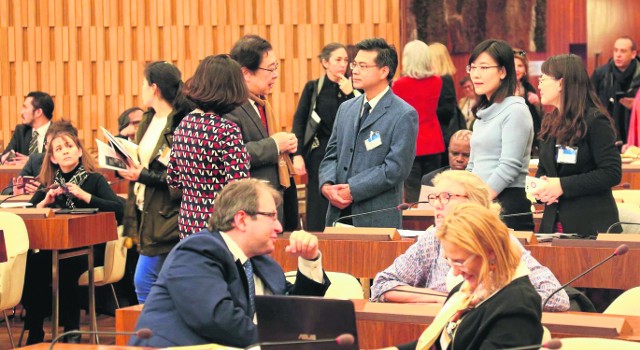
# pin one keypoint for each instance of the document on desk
(410, 233)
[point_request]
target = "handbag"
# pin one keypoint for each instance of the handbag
(313, 121)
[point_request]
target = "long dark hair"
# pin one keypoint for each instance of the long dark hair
(169, 80)
(502, 53)
(578, 98)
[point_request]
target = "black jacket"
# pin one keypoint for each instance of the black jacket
(510, 318)
(587, 205)
(20, 140)
(604, 82)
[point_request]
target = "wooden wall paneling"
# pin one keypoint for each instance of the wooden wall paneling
(90, 55)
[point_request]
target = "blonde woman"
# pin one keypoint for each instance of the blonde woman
(423, 267)
(495, 307)
(420, 87)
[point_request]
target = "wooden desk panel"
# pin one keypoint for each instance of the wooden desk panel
(362, 259)
(382, 324)
(71, 231)
(8, 172)
(567, 262)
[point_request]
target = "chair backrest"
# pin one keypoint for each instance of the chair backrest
(597, 343)
(627, 196)
(12, 271)
(629, 212)
(115, 259)
(628, 303)
(343, 285)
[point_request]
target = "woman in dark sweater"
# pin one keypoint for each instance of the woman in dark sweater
(78, 186)
(496, 307)
(447, 102)
(528, 92)
(578, 158)
(328, 92)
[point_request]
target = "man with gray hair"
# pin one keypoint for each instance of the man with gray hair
(205, 291)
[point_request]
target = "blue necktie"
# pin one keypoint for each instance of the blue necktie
(365, 114)
(248, 270)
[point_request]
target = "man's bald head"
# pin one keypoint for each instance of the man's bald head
(459, 149)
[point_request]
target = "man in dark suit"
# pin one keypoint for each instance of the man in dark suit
(372, 145)
(266, 145)
(37, 111)
(206, 288)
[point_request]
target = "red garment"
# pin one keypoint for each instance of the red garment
(633, 138)
(423, 95)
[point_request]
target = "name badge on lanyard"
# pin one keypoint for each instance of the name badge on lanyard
(566, 155)
(373, 141)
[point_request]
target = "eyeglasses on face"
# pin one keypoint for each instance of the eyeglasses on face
(480, 69)
(444, 197)
(361, 65)
(272, 214)
(271, 70)
(460, 264)
(544, 78)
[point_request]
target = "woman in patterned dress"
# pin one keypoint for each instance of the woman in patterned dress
(208, 151)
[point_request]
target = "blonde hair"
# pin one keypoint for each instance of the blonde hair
(478, 230)
(441, 60)
(416, 60)
(475, 189)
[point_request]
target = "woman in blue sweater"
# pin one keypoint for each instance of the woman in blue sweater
(503, 132)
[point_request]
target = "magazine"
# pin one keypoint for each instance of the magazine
(117, 153)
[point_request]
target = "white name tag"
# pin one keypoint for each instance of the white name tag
(567, 155)
(373, 141)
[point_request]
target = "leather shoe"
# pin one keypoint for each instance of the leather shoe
(72, 339)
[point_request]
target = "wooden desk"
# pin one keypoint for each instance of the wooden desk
(567, 262)
(79, 232)
(362, 259)
(63, 346)
(421, 219)
(8, 172)
(386, 324)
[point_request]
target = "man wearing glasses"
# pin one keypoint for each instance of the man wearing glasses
(206, 289)
(372, 145)
(267, 147)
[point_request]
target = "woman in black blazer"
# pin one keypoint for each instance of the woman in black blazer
(578, 158)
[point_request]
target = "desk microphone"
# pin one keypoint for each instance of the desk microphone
(621, 223)
(551, 344)
(621, 250)
(522, 214)
(344, 339)
(143, 333)
(411, 205)
(401, 207)
(625, 185)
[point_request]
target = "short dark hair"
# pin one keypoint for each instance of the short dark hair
(387, 55)
(123, 119)
(217, 85)
(464, 80)
(235, 196)
(633, 42)
(248, 51)
(502, 53)
(42, 100)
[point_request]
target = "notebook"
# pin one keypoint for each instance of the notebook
(287, 318)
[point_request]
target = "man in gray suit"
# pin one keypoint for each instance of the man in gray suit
(372, 145)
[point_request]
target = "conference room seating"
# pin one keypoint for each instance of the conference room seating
(115, 259)
(12, 271)
(343, 285)
(629, 212)
(628, 303)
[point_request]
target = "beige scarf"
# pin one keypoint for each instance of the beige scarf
(285, 167)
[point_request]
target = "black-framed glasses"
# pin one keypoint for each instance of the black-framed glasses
(272, 214)
(444, 197)
(480, 69)
(271, 70)
(519, 53)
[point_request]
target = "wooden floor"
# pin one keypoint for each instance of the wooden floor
(105, 323)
